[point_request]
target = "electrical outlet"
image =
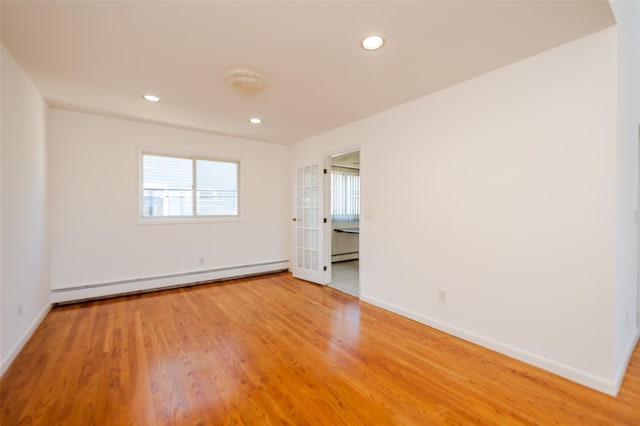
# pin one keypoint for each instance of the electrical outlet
(442, 296)
(201, 261)
(19, 308)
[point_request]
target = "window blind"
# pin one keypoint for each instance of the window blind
(188, 187)
(217, 188)
(167, 186)
(345, 196)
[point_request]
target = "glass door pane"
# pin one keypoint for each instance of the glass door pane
(308, 224)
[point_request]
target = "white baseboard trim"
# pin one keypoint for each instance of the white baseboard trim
(13, 353)
(138, 285)
(619, 377)
(582, 377)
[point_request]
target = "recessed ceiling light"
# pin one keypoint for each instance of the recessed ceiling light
(372, 42)
(151, 98)
(255, 120)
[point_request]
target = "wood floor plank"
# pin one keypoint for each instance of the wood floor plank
(274, 350)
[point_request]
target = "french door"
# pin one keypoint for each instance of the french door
(309, 224)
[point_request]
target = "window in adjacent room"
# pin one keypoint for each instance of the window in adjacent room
(345, 196)
(183, 187)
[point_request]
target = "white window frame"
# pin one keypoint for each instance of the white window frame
(146, 220)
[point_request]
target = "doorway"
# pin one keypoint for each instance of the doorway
(344, 194)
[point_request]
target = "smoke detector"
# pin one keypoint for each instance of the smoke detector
(245, 81)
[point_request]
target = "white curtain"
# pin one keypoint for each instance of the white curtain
(345, 196)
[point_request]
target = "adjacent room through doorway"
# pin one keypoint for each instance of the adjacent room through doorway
(345, 222)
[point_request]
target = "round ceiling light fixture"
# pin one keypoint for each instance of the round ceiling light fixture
(373, 42)
(245, 81)
(255, 120)
(151, 98)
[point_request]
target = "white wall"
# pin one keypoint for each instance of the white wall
(627, 15)
(96, 237)
(502, 191)
(24, 261)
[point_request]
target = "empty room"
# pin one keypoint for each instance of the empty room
(320, 212)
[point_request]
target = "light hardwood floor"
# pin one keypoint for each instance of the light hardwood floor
(276, 350)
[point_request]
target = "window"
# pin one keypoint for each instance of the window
(182, 187)
(345, 196)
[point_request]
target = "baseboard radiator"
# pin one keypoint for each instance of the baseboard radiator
(341, 257)
(162, 282)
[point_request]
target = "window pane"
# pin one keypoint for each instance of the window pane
(345, 197)
(217, 188)
(167, 184)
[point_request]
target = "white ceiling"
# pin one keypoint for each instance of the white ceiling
(101, 56)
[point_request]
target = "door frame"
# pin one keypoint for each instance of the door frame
(328, 161)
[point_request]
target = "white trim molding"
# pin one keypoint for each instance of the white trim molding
(619, 377)
(13, 353)
(610, 387)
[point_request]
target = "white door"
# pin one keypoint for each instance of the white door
(308, 224)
